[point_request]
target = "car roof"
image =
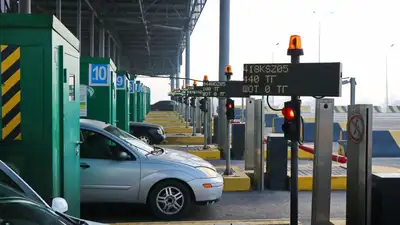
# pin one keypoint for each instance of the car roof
(94, 123)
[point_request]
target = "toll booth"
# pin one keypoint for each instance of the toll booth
(123, 104)
(133, 100)
(99, 75)
(148, 102)
(139, 96)
(39, 135)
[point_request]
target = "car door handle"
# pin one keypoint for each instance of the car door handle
(84, 165)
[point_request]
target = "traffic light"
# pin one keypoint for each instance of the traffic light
(230, 109)
(203, 105)
(194, 83)
(186, 100)
(292, 121)
(228, 72)
(193, 102)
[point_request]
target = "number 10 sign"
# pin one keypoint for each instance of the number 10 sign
(99, 75)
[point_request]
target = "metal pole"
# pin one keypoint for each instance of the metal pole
(79, 23)
(114, 52)
(193, 119)
(101, 41)
(58, 9)
(353, 91)
(322, 169)
(92, 21)
(205, 126)
(178, 67)
(109, 46)
(319, 41)
(242, 111)
(224, 24)
(387, 83)
(25, 6)
(209, 119)
(227, 148)
(187, 69)
(258, 159)
(294, 167)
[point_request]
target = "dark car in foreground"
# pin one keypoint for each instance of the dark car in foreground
(21, 205)
(165, 105)
(151, 134)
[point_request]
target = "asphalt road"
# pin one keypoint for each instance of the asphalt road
(233, 206)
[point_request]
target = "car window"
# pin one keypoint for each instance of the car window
(6, 181)
(21, 212)
(132, 140)
(97, 146)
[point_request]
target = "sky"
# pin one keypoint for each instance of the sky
(356, 33)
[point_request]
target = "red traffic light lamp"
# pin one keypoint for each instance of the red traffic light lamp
(288, 113)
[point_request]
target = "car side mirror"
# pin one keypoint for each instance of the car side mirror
(123, 156)
(59, 204)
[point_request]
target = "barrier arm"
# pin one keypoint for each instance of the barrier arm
(335, 157)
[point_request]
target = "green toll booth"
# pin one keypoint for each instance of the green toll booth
(132, 100)
(123, 104)
(139, 96)
(148, 102)
(39, 127)
(98, 77)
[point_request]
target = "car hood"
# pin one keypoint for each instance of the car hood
(182, 157)
(137, 124)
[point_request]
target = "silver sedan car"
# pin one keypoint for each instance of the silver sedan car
(117, 167)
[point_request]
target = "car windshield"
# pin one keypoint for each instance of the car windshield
(23, 211)
(132, 140)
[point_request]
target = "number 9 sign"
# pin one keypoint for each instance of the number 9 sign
(121, 82)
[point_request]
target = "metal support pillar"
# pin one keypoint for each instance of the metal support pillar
(242, 111)
(193, 119)
(258, 138)
(187, 70)
(92, 24)
(322, 169)
(101, 41)
(79, 23)
(353, 91)
(209, 120)
(114, 52)
(205, 128)
(25, 6)
(359, 164)
(198, 116)
(109, 46)
(227, 145)
(58, 9)
(224, 32)
(177, 76)
(249, 135)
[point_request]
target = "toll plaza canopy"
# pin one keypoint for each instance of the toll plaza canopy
(143, 36)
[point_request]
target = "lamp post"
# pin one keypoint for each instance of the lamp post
(273, 60)
(319, 34)
(387, 78)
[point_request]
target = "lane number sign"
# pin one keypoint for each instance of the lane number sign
(99, 75)
(121, 82)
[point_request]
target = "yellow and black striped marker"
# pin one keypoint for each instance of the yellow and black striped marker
(10, 76)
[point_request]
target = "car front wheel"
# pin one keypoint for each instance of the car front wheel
(146, 139)
(170, 200)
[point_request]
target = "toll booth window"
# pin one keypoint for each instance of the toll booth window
(98, 146)
(71, 87)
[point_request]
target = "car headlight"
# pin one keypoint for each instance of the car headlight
(159, 131)
(209, 172)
